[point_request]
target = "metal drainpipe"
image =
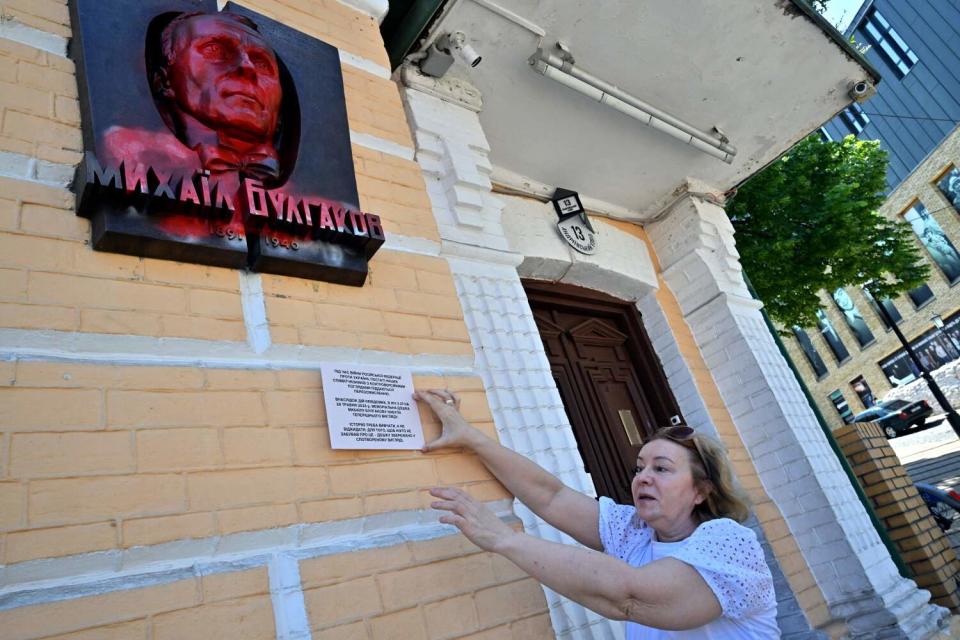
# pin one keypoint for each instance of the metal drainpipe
(867, 505)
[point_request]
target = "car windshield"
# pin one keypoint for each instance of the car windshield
(893, 405)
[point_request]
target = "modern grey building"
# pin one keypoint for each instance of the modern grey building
(915, 44)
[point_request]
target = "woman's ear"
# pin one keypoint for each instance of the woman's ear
(704, 489)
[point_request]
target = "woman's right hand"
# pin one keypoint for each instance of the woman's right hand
(457, 432)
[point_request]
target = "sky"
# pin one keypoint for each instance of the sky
(840, 12)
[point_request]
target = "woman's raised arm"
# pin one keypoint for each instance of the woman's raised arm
(570, 511)
(666, 594)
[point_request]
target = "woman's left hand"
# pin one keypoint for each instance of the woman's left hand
(480, 525)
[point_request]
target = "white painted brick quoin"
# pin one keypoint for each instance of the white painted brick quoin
(797, 467)
(529, 416)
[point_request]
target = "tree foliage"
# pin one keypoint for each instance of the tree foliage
(809, 222)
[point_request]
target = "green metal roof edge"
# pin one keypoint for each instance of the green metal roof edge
(837, 37)
(416, 19)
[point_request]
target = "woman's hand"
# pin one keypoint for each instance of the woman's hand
(480, 525)
(457, 432)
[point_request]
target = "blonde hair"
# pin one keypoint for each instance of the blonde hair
(713, 475)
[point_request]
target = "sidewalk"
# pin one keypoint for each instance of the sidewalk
(952, 633)
(932, 443)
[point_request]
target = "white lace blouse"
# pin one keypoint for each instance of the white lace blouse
(726, 554)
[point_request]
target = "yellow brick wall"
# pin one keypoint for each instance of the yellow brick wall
(97, 457)
(435, 589)
(393, 188)
(330, 21)
(38, 99)
(102, 457)
(372, 108)
(775, 528)
(225, 605)
(409, 305)
(52, 280)
(47, 15)
(432, 589)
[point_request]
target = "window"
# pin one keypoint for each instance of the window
(855, 119)
(889, 43)
(833, 340)
(935, 240)
(899, 369)
(935, 351)
(863, 391)
(816, 362)
(887, 305)
(825, 135)
(949, 186)
(853, 318)
(840, 404)
(920, 296)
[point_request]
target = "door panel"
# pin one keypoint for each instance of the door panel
(608, 376)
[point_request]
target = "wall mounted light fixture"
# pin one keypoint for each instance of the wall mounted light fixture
(560, 67)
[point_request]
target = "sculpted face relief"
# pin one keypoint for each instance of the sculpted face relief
(214, 159)
(223, 74)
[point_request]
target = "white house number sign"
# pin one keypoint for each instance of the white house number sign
(574, 225)
(578, 235)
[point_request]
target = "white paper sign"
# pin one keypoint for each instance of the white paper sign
(370, 407)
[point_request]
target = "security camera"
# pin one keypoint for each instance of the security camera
(861, 90)
(440, 55)
(456, 43)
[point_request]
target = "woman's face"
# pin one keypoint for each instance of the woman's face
(664, 491)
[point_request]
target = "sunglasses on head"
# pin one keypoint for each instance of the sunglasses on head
(678, 432)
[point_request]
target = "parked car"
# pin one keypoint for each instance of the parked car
(944, 504)
(896, 417)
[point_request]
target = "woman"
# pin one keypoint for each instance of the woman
(680, 566)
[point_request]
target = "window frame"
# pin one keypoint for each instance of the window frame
(797, 332)
(855, 118)
(944, 193)
(917, 207)
(823, 324)
(875, 305)
(916, 306)
(847, 418)
(890, 44)
(862, 340)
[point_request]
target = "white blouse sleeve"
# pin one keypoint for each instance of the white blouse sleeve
(620, 531)
(730, 560)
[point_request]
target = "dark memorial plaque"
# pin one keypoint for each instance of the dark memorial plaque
(217, 138)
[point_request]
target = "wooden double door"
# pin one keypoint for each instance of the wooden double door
(610, 380)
